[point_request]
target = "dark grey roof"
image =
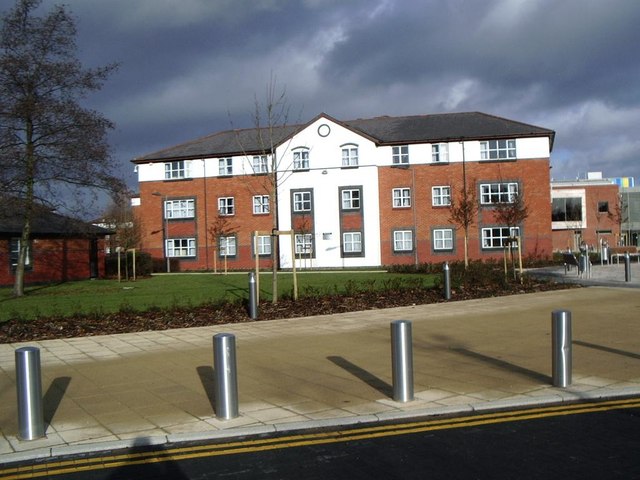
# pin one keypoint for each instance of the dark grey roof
(444, 127)
(382, 130)
(230, 142)
(49, 224)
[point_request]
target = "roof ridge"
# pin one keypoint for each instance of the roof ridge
(425, 115)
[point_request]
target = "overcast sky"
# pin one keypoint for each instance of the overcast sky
(193, 67)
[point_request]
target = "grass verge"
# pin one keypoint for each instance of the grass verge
(94, 297)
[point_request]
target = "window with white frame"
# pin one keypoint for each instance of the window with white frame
(441, 195)
(504, 192)
(401, 197)
(301, 159)
(497, 237)
(400, 155)
(226, 206)
(351, 199)
(498, 150)
(352, 242)
(301, 201)
(179, 208)
(225, 166)
(349, 155)
(443, 239)
(260, 164)
(177, 169)
(181, 247)
(304, 243)
(402, 240)
(260, 204)
(566, 209)
(14, 253)
(440, 152)
(227, 246)
(263, 245)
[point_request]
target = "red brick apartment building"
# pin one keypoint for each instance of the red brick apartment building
(585, 210)
(361, 193)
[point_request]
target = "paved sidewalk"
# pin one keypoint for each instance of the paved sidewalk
(108, 392)
(607, 275)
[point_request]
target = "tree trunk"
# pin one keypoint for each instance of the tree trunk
(466, 249)
(274, 239)
(18, 287)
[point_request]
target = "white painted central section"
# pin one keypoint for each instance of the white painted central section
(326, 176)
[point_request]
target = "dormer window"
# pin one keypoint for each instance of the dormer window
(177, 169)
(350, 155)
(400, 155)
(498, 150)
(440, 153)
(225, 166)
(260, 164)
(301, 159)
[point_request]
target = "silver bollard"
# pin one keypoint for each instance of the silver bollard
(29, 388)
(627, 267)
(561, 347)
(253, 296)
(402, 360)
(226, 385)
(447, 281)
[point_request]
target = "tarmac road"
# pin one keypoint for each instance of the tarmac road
(586, 440)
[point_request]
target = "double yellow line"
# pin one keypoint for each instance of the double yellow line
(262, 444)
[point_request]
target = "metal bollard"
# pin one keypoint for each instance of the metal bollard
(402, 360)
(226, 385)
(561, 347)
(253, 296)
(583, 264)
(447, 281)
(627, 267)
(29, 387)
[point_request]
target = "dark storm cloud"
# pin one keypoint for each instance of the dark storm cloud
(573, 66)
(569, 49)
(191, 67)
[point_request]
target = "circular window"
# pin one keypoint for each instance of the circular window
(324, 130)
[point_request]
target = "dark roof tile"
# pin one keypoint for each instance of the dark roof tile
(382, 130)
(48, 223)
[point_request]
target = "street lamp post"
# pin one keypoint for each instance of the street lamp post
(165, 228)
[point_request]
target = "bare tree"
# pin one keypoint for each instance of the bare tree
(271, 122)
(49, 143)
(463, 212)
(512, 213)
(221, 228)
(304, 228)
(119, 217)
(620, 215)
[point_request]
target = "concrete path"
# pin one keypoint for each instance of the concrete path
(108, 392)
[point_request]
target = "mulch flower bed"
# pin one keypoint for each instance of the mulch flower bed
(217, 314)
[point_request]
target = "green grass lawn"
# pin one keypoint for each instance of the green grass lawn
(160, 291)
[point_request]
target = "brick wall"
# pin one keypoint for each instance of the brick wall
(599, 225)
(54, 260)
(206, 193)
(531, 175)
